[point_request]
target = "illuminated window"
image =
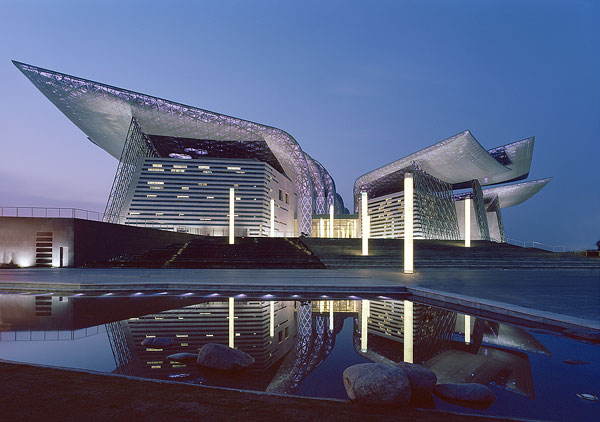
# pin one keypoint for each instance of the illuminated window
(183, 196)
(156, 187)
(185, 188)
(159, 214)
(203, 167)
(207, 171)
(210, 197)
(155, 183)
(179, 166)
(156, 165)
(233, 168)
(155, 169)
(177, 171)
(134, 213)
(202, 184)
(150, 196)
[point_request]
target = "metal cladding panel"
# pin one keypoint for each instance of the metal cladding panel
(104, 113)
(319, 199)
(458, 160)
(517, 156)
(330, 191)
(514, 194)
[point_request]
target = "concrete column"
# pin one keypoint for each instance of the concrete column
(272, 231)
(331, 221)
(408, 223)
(231, 216)
(408, 331)
(467, 222)
(365, 224)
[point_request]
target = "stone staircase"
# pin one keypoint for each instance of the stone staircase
(437, 254)
(216, 252)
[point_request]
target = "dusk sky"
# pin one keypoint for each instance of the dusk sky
(358, 84)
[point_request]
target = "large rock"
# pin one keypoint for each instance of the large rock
(223, 358)
(376, 383)
(183, 357)
(469, 393)
(157, 341)
(421, 380)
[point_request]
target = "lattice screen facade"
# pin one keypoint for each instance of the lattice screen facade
(136, 148)
(434, 211)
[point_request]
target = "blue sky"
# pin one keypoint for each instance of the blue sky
(358, 84)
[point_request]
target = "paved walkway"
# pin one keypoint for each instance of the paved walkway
(569, 292)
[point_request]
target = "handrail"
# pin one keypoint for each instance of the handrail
(124, 219)
(536, 245)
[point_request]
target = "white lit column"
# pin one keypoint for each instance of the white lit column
(364, 327)
(408, 223)
(365, 223)
(408, 331)
(272, 232)
(272, 319)
(331, 221)
(321, 228)
(467, 222)
(331, 315)
(231, 326)
(467, 329)
(231, 216)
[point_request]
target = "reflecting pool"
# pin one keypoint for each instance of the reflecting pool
(302, 347)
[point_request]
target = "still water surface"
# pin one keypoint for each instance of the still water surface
(302, 347)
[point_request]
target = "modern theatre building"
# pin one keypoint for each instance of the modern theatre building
(183, 169)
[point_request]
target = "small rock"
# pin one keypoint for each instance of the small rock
(421, 379)
(376, 383)
(469, 393)
(183, 357)
(223, 358)
(157, 341)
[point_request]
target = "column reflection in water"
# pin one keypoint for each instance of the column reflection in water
(272, 319)
(231, 323)
(408, 331)
(467, 329)
(364, 330)
(331, 315)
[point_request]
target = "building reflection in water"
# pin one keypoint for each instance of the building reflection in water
(288, 339)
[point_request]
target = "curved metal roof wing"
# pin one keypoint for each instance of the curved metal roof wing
(103, 113)
(514, 194)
